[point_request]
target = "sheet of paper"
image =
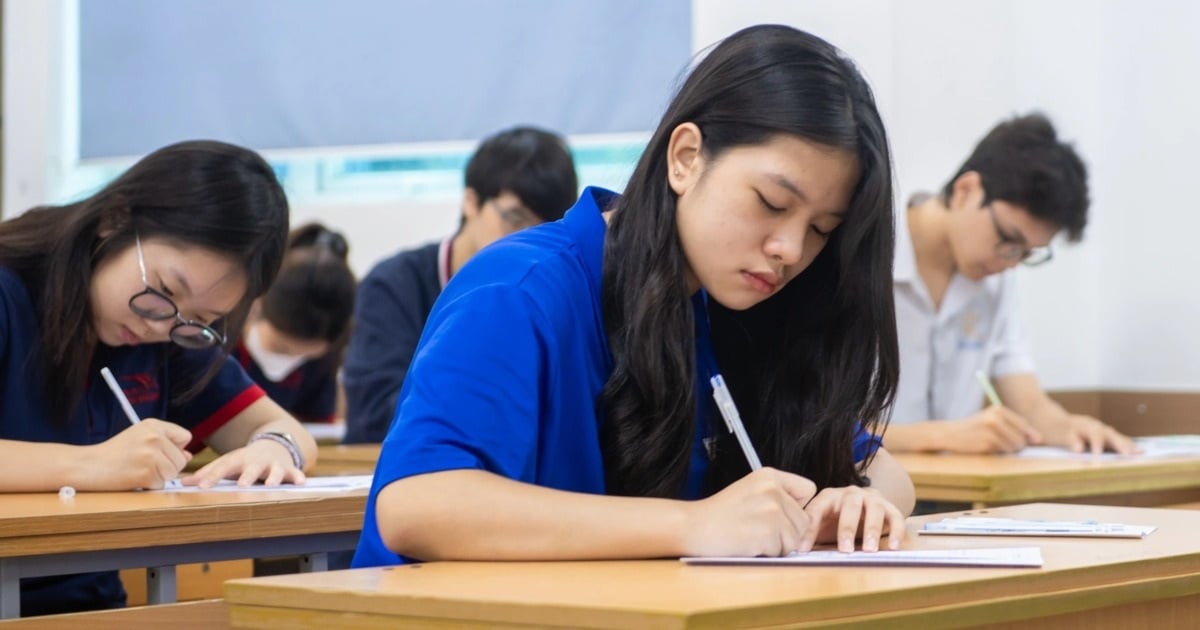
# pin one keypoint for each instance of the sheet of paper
(981, 526)
(993, 557)
(311, 484)
(1151, 447)
(326, 431)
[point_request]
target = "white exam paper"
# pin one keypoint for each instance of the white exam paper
(993, 557)
(983, 526)
(311, 484)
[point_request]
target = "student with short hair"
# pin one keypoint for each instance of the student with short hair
(955, 287)
(517, 178)
(560, 406)
(296, 334)
(151, 277)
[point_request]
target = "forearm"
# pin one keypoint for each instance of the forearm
(916, 437)
(890, 479)
(304, 439)
(41, 466)
(263, 416)
(476, 515)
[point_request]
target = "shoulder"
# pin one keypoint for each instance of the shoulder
(404, 270)
(14, 297)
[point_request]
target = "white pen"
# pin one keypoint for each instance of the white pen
(116, 390)
(733, 420)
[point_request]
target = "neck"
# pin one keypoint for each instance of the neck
(929, 228)
(462, 248)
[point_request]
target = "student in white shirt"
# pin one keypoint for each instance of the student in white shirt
(956, 310)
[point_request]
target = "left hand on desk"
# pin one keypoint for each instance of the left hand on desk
(261, 459)
(842, 514)
(1084, 433)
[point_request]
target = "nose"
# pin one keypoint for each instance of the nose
(161, 328)
(787, 246)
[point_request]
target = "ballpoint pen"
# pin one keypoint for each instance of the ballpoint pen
(116, 390)
(988, 390)
(733, 420)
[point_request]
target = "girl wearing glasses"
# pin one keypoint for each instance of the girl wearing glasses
(559, 404)
(144, 277)
(294, 338)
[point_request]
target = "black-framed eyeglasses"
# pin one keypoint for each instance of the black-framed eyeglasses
(153, 305)
(1011, 248)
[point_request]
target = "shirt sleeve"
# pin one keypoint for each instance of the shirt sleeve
(472, 397)
(1010, 353)
(228, 393)
(387, 326)
(865, 444)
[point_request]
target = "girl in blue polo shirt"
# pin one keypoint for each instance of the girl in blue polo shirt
(294, 338)
(559, 404)
(146, 277)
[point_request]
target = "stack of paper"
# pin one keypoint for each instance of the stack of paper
(980, 526)
(1001, 557)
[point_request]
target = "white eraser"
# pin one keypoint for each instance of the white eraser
(66, 492)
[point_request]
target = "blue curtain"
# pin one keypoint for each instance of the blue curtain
(312, 73)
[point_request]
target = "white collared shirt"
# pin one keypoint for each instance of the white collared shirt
(977, 328)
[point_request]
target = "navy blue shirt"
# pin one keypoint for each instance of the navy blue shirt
(146, 373)
(509, 368)
(390, 309)
(309, 393)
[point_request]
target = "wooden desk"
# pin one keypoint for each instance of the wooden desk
(41, 534)
(1154, 582)
(346, 459)
(201, 615)
(983, 480)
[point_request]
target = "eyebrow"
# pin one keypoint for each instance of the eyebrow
(791, 187)
(184, 285)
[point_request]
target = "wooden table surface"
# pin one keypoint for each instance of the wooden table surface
(41, 534)
(1086, 583)
(996, 479)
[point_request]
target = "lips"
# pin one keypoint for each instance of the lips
(762, 282)
(129, 338)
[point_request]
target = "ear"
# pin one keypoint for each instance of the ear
(967, 191)
(470, 205)
(685, 160)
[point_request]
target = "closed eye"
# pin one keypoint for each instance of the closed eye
(767, 204)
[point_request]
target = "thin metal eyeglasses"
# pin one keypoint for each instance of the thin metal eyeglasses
(1010, 248)
(153, 305)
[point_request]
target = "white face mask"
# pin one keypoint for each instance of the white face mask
(274, 366)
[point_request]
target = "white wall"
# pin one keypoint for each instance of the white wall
(1117, 77)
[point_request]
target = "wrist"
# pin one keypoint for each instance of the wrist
(285, 440)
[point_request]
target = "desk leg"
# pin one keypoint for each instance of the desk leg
(160, 585)
(311, 562)
(10, 588)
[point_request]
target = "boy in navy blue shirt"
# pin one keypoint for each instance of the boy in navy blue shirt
(517, 178)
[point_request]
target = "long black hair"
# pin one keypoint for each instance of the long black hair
(806, 366)
(207, 194)
(313, 297)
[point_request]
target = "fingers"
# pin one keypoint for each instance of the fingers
(176, 434)
(848, 521)
(1019, 428)
(896, 526)
(799, 488)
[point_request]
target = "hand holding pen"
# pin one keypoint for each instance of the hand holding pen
(146, 455)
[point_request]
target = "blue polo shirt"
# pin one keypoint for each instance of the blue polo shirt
(146, 373)
(508, 370)
(309, 393)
